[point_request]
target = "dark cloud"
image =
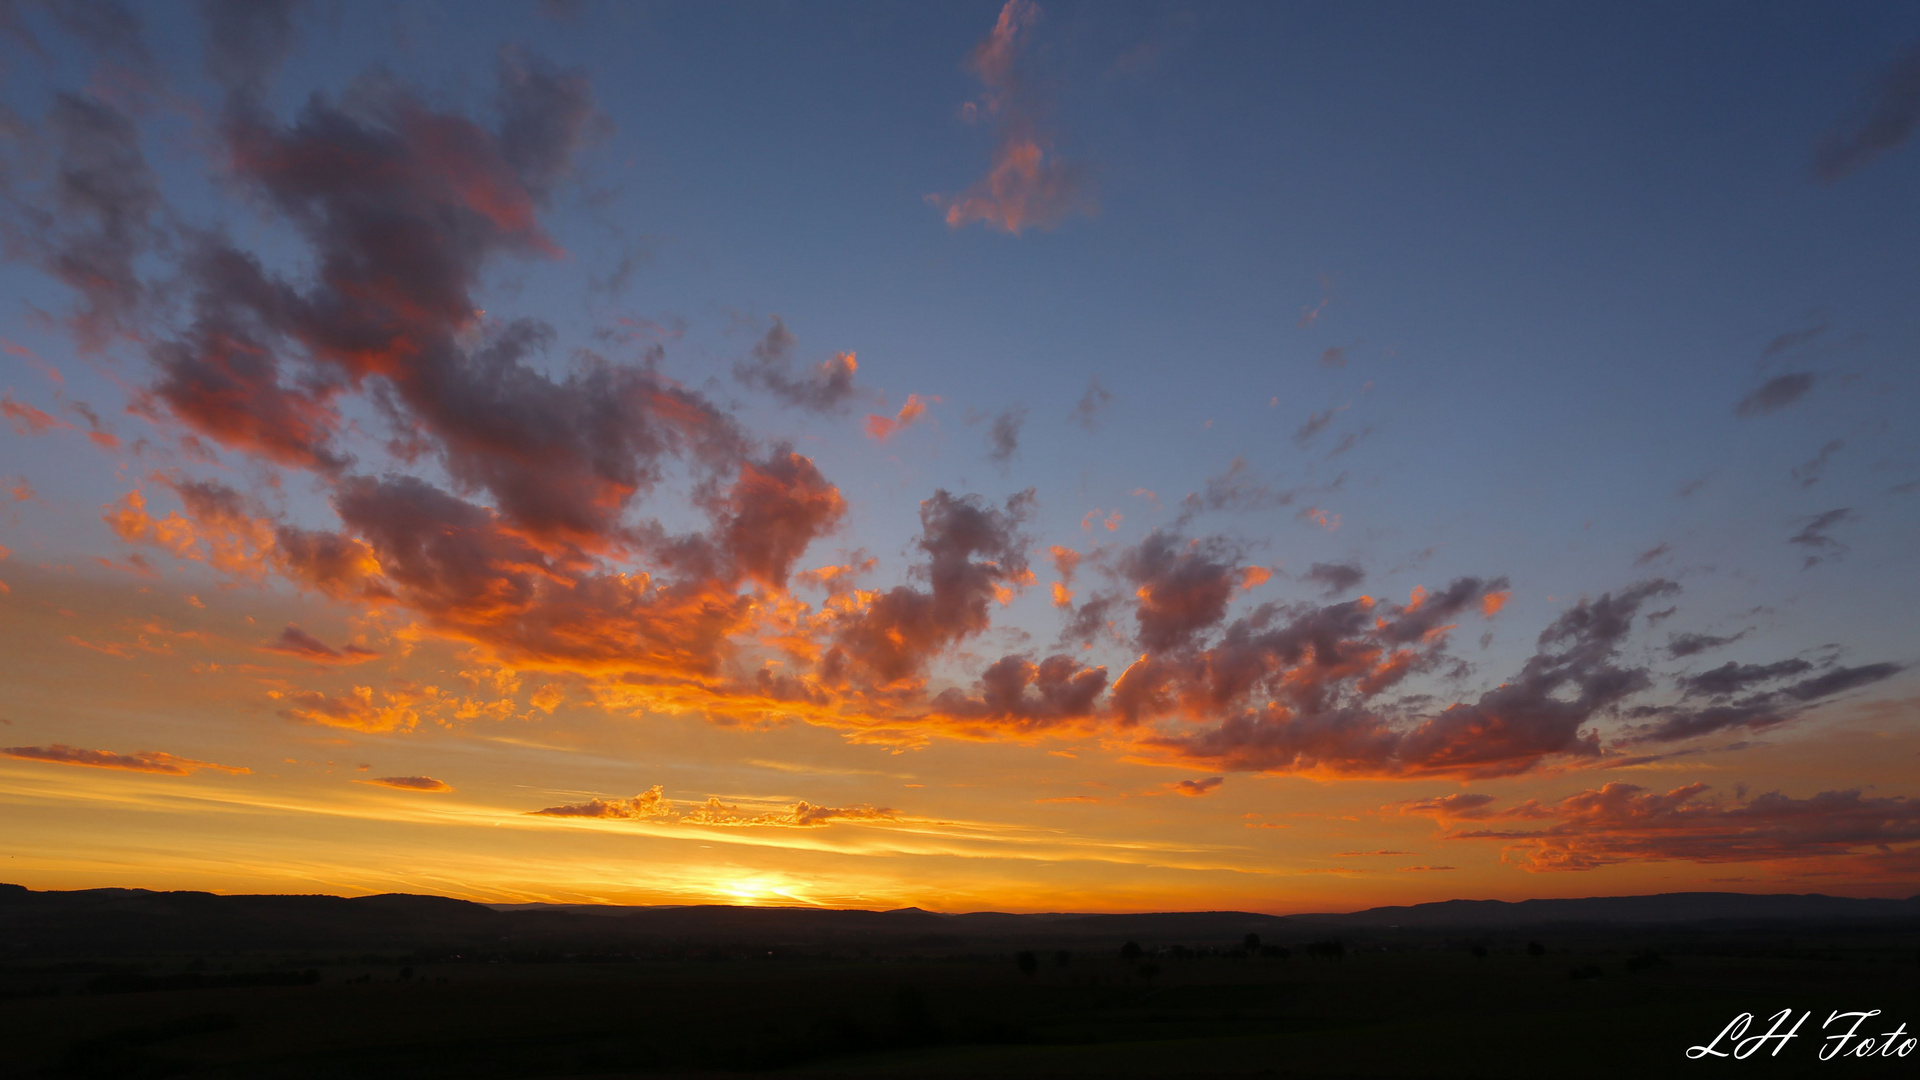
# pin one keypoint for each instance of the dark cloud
(1314, 425)
(149, 761)
(1091, 405)
(1684, 645)
(1335, 577)
(1621, 822)
(1809, 472)
(1648, 556)
(827, 387)
(294, 641)
(775, 509)
(1775, 394)
(101, 213)
(410, 783)
(1731, 678)
(247, 40)
(975, 553)
(1199, 787)
(1813, 536)
(1017, 693)
(1182, 587)
(1238, 490)
(107, 26)
(1300, 695)
(1793, 339)
(1883, 123)
(1004, 435)
(1755, 711)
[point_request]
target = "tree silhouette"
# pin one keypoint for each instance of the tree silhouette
(1253, 944)
(1536, 950)
(1130, 951)
(1029, 963)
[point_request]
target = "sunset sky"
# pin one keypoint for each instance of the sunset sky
(1051, 456)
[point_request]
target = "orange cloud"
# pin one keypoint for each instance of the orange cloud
(148, 761)
(1028, 185)
(28, 420)
(882, 428)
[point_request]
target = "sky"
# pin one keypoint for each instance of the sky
(1023, 456)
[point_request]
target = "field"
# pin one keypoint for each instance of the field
(1599, 1002)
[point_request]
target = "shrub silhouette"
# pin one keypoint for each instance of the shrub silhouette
(1029, 963)
(1536, 950)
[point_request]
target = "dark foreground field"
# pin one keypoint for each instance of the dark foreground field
(554, 993)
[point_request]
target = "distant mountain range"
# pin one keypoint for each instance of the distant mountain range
(118, 921)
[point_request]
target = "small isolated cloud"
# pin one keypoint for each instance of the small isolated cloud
(294, 641)
(147, 761)
(1813, 536)
(826, 387)
(1092, 404)
(1775, 394)
(410, 783)
(1808, 472)
(1334, 357)
(1881, 123)
(1196, 788)
(1653, 554)
(881, 428)
(1029, 185)
(1004, 435)
(1335, 577)
(27, 420)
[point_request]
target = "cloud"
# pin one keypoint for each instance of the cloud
(1199, 787)
(410, 783)
(826, 387)
(1622, 822)
(247, 40)
(1684, 645)
(1652, 554)
(1335, 577)
(99, 214)
(1808, 472)
(29, 421)
(881, 428)
(1237, 490)
(1299, 695)
(975, 554)
(1732, 705)
(1789, 340)
(1333, 357)
(1813, 536)
(1004, 435)
(1775, 394)
(1017, 693)
(148, 761)
(294, 641)
(801, 815)
(1029, 185)
(647, 805)
(1886, 121)
(1092, 403)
